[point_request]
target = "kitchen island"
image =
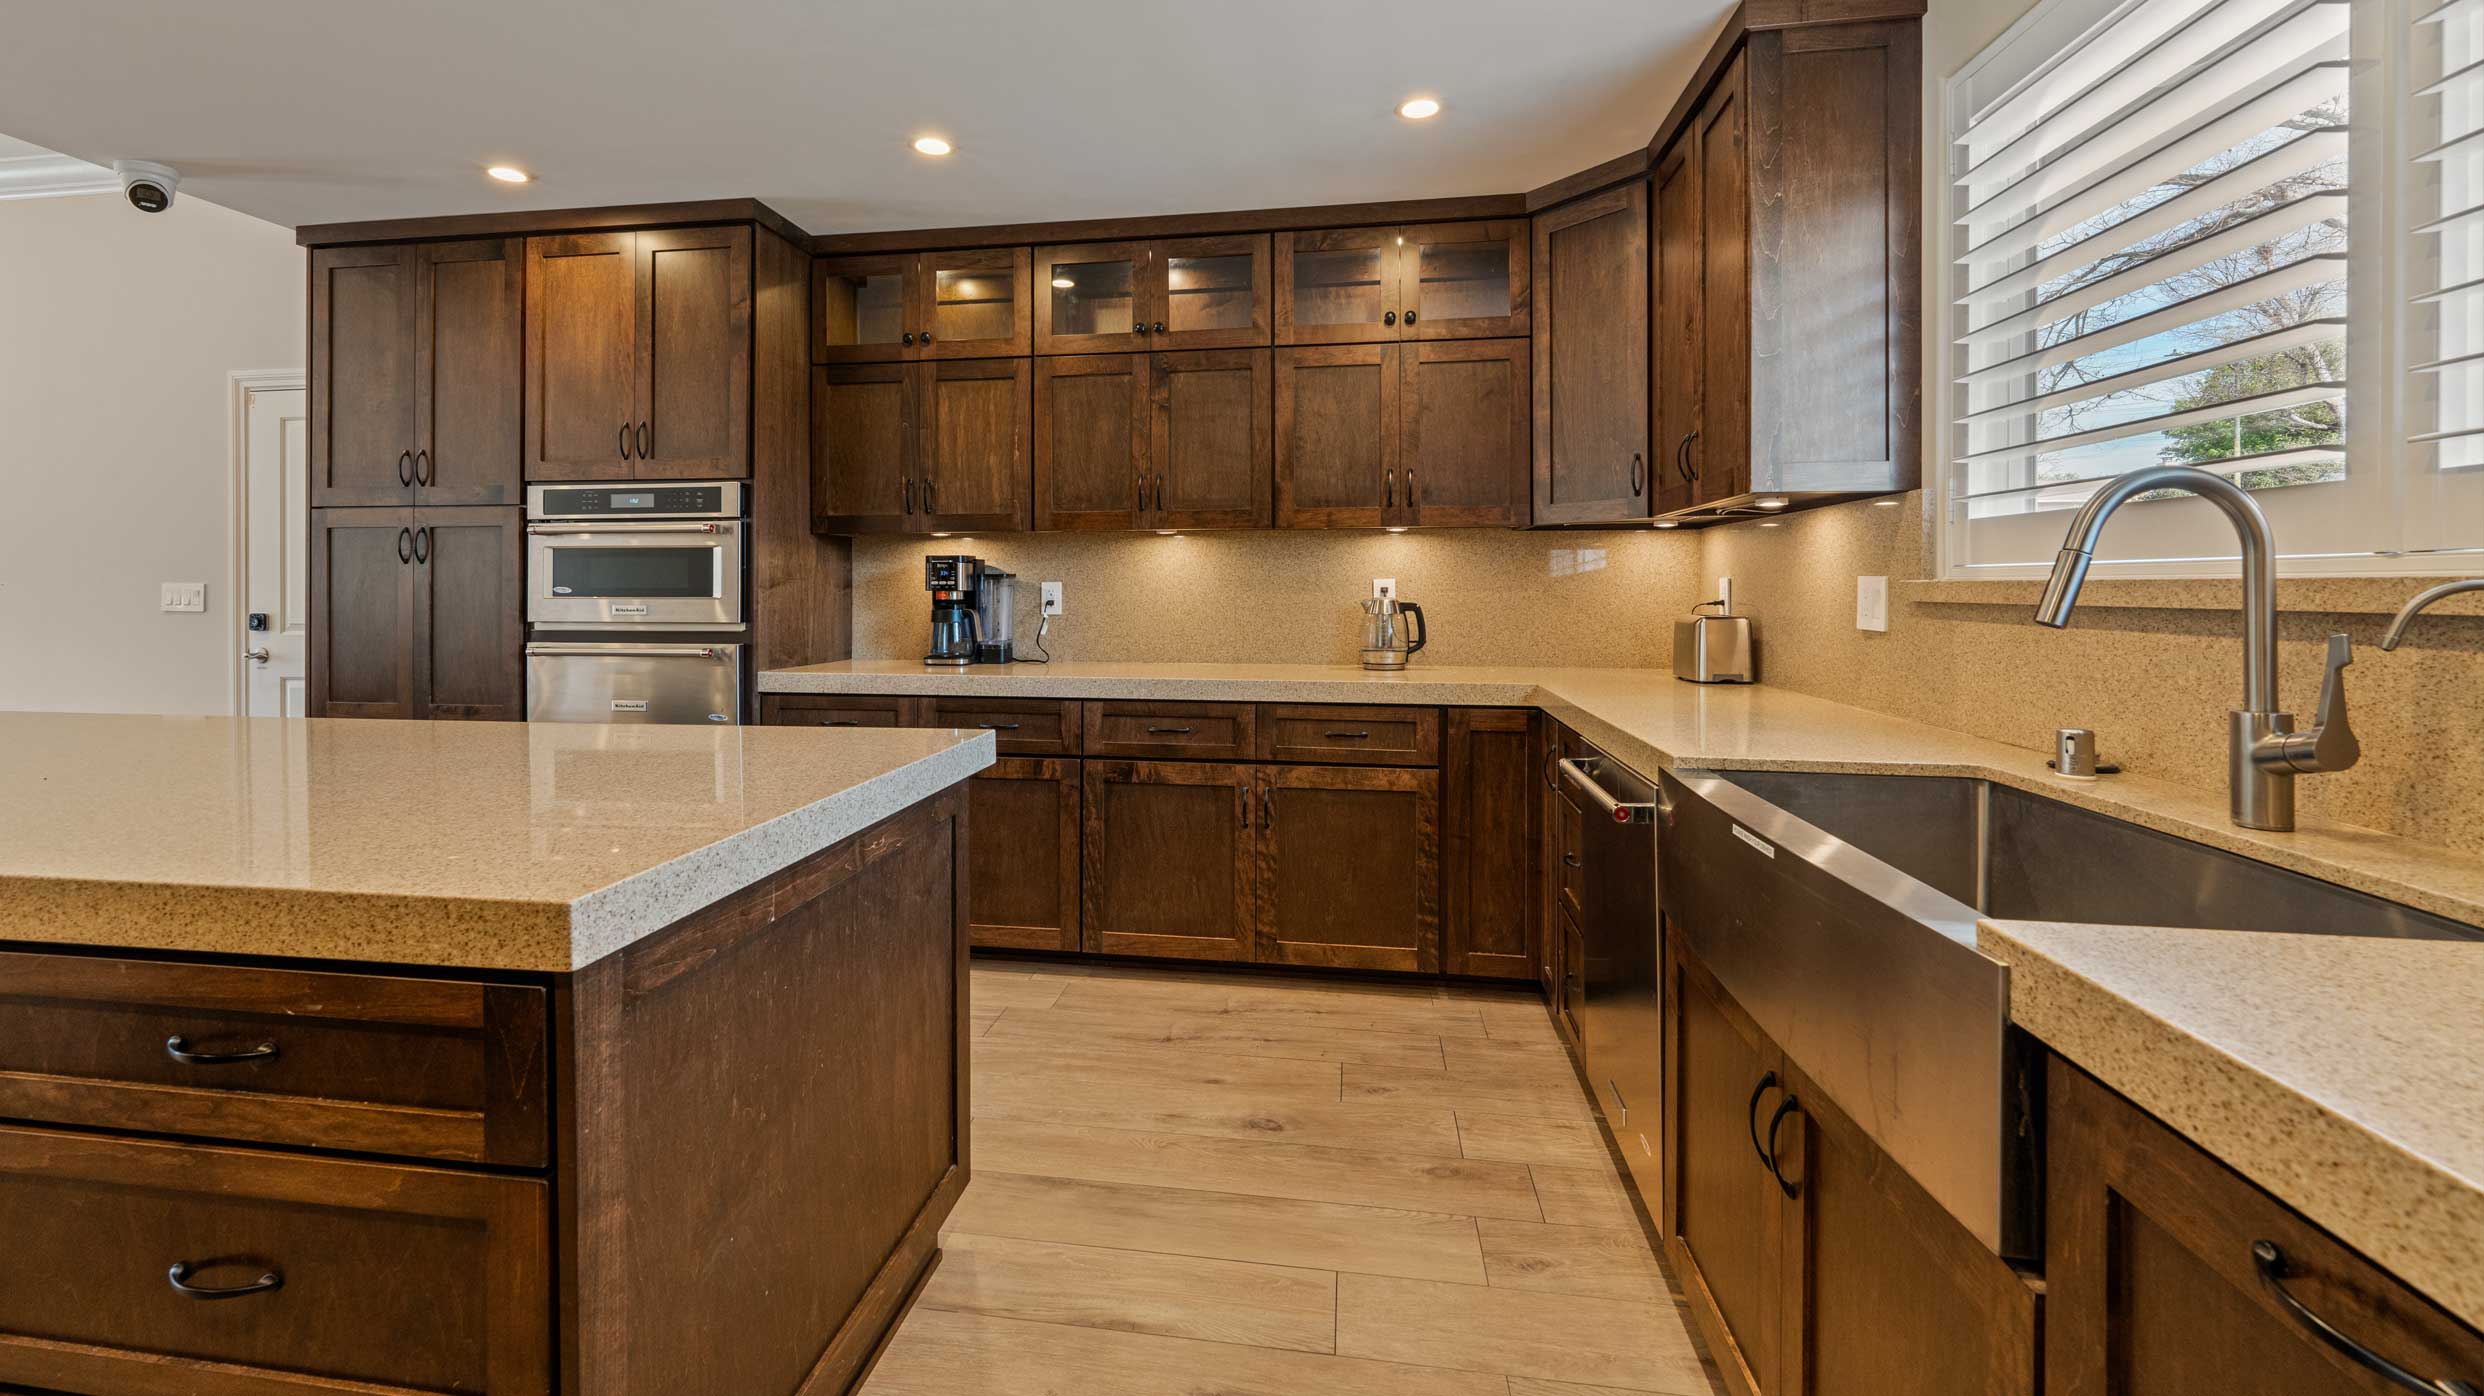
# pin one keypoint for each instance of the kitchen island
(375, 1057)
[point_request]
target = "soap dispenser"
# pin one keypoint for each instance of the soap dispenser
(1714, 645)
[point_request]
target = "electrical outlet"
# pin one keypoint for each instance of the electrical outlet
(185, 596)
(1384, 587)
(1871, 603)
(1052, 598)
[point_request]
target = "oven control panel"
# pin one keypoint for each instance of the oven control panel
(650, 501)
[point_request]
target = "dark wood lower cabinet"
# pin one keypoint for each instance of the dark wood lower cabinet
(1349, 867)
(1167, 858)
(1488, 876)
(1724, 1229)
(2155, 1284)
(362, 594)
(1024, 856)
(417, 613)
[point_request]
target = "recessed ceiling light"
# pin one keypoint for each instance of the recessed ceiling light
(1418, 108)
(931, 145)
(508, 174)
(1064, 283)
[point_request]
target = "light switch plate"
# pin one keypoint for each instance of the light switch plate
(185, 596)
(1052, 598)
(1384, 586)
(1871, 603)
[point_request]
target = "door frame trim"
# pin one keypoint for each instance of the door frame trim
(241, 386)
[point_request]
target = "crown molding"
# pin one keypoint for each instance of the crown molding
(52, 176)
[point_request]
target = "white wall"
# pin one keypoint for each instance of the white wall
(117, 332)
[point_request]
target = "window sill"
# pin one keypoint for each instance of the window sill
(2302, 595)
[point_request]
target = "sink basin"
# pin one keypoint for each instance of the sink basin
(1839, 911)
(2015, 856)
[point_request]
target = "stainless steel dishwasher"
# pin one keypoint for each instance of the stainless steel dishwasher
(1621, 1033)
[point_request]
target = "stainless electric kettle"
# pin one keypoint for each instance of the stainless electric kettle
(1392, 631)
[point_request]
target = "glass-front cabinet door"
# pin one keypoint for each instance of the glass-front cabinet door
(1090, 299)
(1464, 280)
(1337, 287)
(1209, 293)
(859, 309)
(975, 304)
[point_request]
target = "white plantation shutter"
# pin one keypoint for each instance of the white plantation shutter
(2445, 319)
(2151, 256)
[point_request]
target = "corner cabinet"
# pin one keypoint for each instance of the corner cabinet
(415, 613)
(638, 355)
(1591, 351)
(1811, 1263)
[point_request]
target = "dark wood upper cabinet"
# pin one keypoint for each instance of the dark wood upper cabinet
(693, 359)
(415, 358)
(416, 613)
(1093, 424)
(638, 355)
(1349, 867)
(1169, 293)
(1211, 451)
(1464, 434)
(1336, 436)
(1489, 830)
(1167, 860)
(973, 422)
(967, 304)
(863, 446)
(1677, 353)
(1719, 455)
(1591, 374)
(2154, 1286)
(1381, 285)
(362, 594)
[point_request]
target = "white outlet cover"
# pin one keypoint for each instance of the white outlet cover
(188, 597)
(1871, 603)
(1384, 586)
(1052, 598)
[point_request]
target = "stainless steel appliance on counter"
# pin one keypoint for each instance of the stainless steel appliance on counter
(1392, 631)
(633, 681)
(956, 628)
(996, 611)
(1715, 648)
(602, 557)
(1621, 1030)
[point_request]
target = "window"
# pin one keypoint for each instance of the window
(2242, 235)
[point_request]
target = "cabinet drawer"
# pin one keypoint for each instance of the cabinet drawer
(806, 710)
(385, 1278)
(421, 1068)
(1021, 726)
(1349, 736)
(1170, 731)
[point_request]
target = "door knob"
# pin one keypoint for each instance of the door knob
(257, 656)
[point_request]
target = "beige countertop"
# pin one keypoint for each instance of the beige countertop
(1649, 720)
(2337, 1072)
(487, 845)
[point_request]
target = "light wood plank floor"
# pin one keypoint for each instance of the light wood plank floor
(1199, 1184)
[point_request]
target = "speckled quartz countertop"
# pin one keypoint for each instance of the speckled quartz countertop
(2337, 1072)
(1648, 720)
(485, 845)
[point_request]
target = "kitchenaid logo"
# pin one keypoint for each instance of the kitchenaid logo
(629, 705)
(629, 608)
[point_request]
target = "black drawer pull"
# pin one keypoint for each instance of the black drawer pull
(842, 722)
(1750, 1117)
(1346, 736)
(181, 1271)
(999, 726)
(1785, 1107)
(2272, 1266)
(178, 1048)
(1571, 860)
(1170, 731)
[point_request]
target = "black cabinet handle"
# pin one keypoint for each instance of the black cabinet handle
(907, 338)
(1242, 797)
(928, 506)
(842, 722)
(1138, 327)
(405, 545)
(1170, 731)
(179, 1049)
(1346, 736)
(999, 726)
(1159, 494)
(1267, 807)
(1785, 1107)
(405, 467)
(2271, 1263)
(1637, 471)
(1159, 327)
(1414, 490)
(422, 468)
(1139, 506)
(181, 1271)
(1388, 497)
(1750, 1119)
(1572, 860)
(625, 441)
(909, 496)
(1389, 318)
(422, 546)
(927, 336)
(1410, 317)
(642, 440)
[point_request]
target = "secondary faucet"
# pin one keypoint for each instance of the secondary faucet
(2415, 607)
(2264, 752)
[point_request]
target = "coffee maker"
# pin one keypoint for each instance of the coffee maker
(956, 631)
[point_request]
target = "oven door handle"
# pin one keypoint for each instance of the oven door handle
(631, 651)
(545, 529)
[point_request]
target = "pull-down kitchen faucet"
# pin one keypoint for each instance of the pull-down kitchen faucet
(2264, 752)
(2416, 605)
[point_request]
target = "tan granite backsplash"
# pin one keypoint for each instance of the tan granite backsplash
(1490, 597)
(2154, 683)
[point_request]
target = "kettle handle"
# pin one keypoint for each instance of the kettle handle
(1422, 631)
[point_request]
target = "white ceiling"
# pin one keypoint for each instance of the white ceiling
(314, 111)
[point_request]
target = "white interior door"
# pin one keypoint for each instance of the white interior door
(275, 564)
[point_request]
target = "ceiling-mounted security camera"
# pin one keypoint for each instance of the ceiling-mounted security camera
(148, 186)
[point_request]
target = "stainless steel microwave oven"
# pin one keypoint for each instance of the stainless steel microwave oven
(636, 555)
